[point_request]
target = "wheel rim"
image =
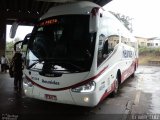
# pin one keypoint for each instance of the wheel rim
(116, 86)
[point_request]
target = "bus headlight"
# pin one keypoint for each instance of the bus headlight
(27, 82)
(89, 87)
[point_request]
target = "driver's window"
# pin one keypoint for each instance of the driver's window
(102, 49)
(108, 38)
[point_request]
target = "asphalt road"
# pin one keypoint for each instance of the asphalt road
(138, 98)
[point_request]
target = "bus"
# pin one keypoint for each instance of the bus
(78, 54)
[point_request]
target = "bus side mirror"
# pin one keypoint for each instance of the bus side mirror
(22, 42)
(13, 30)
(93, 21)
(26, 39)
(16, 49)
(93, 24)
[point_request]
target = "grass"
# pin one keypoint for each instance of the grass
(147, 54)
(144, 58)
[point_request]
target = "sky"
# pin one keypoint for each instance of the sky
(21, 32)
(144, 13)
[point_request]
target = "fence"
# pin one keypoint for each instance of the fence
(154, 62)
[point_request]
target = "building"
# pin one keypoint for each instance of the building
(153, 42)
(148, 42)
(142, 42)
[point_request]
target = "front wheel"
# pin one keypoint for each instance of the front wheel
(133, 74)
(116, 86)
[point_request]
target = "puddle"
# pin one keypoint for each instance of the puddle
(155, 106)
(149, 82)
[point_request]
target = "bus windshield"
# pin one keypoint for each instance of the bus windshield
(61, 43)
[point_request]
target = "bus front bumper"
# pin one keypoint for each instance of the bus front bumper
(65, 96)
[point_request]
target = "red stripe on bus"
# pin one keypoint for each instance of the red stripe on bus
(128, 72)
(69, 87)
(108, 92)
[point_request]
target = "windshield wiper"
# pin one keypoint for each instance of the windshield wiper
(34, 63)
(58, 61)
(76, 66)
(72, 67)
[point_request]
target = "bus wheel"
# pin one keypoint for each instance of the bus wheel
(116, 86)
(133, 74)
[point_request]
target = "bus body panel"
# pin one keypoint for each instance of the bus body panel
(56, 96)
(61, 82)
(82, 7)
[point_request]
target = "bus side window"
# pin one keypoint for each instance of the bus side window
(108, 38)
(105, 50)
(113, 40)
(102, 49)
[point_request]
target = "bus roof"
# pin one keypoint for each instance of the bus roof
(83, 7)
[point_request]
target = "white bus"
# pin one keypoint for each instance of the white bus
(78, 54)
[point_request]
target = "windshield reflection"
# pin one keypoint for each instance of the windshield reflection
(61, 43)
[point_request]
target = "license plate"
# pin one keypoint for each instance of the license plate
(50, 97)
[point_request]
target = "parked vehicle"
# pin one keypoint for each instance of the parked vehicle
(78, 54)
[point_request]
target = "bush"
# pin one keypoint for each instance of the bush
(149, 50)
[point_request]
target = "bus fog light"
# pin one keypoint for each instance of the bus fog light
(86, 99)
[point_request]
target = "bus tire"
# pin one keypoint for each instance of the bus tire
(133, 74)
(116, 86)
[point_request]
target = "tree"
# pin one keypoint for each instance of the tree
(16, 39)
(126, 20)
(9, 46)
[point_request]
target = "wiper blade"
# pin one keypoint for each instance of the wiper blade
(57, 61)
(79, 68)
(34, 63)
(38, 61)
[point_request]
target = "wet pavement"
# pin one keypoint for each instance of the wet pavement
(147, 99)
(139, 95)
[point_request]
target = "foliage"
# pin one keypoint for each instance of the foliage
(147, 54)
(9, 46)
(126, 20)
(149, 50)
(16, 39)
